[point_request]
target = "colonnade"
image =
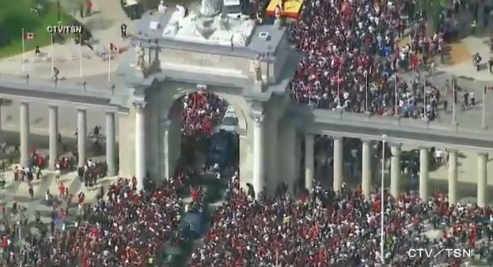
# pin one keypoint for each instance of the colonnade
(395, 169)
(53, 129)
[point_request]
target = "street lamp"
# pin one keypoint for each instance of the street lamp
(382, 200)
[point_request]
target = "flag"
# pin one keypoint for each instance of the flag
(113, 48)
(28, 35)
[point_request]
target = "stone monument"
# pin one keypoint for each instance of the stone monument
(139, 57)
(207, 25)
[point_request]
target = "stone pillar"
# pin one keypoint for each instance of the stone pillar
(110, 143)
(140, 143)
(81, 136)
(366, 169)
(452, 176)
(395, 169)
(423, 172)
(272, 151)
(338, 163)
(309, 162)
(168, 158)
(258, 154)
(482, 182)
(53, 134)
(291, 144)
(24, 132)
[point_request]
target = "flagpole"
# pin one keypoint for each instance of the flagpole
(367, 93)
(80, 57)
(109, 64)
(52, 56)
(454, 111)
(23, 51)
(425, 97)
(396, 97)
(483, 116)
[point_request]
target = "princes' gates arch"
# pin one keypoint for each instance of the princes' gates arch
(144, 132)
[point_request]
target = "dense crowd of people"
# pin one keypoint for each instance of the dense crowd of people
(350, 59)
(351, 56)
(126, 228)
(201, 112)
(332, 229)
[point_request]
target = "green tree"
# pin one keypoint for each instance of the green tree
(433, 8)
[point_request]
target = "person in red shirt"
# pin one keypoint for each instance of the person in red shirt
(61, 189)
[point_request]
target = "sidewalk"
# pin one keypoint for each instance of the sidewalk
(67, 57)
(465, 67)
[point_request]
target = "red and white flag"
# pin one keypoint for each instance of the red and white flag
(114, 48)
(28, 36)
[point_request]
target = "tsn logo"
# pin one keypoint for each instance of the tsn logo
(64, 29)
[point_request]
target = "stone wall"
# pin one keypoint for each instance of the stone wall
(205, 60)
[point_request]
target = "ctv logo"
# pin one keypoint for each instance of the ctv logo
(458, 253)
(64, 29)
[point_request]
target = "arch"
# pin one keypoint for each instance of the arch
(171, 111)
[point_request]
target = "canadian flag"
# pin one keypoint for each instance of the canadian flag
(114, 48)
(28, 35)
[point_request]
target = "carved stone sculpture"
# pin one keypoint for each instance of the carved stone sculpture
(257, 119)
(139, 57)
(209, 8)
(257, 69)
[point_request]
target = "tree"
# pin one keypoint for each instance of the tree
(433, 8)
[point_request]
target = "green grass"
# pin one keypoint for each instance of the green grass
(17, 15)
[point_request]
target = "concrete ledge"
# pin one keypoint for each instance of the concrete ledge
(389, 124)
(429, 139)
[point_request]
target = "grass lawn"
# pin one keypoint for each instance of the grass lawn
(17, 15)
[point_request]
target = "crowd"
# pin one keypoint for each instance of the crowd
(351, 56)
(126, 228)
(338, 230)
(201, 112)
(350, 59)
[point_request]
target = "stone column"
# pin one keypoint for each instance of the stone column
(309, 162)
(53, 133)
(140, 143)
(24, 132)
(110, 143)
(168, 158)
(482, 182)
(290, 144)
(423, 172)
(366, 168)
(81, 136)
(272, 152)
(452, 176)
(258, 154)
(395, 169)
(338, 163)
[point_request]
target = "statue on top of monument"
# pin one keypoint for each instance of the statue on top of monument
(139, 57)
(210, 8)
(257, 69)
(161, 8)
